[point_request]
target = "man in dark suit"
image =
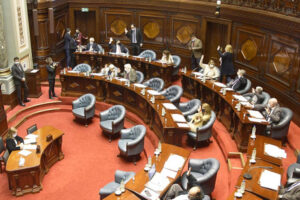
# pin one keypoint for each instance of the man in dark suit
(195, 45)
(19, 80)
(92, 46)
(117, 47)
(136, 37)
(68, 39)
(256, 96)
(51, 76)
(239, 82)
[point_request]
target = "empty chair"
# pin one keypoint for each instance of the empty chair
(155, 83)
(84, 107)
(246, 88)
(83, 67)
(205, 172)
(31, 129)
(139, 77)
(113, 186)
(112, 120)
(148, 54)
(177, 61)
(190, 107)
(293, 172)
(100, 48)
(173, 93)
(203, 133)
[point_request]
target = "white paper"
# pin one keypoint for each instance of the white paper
(24, 152)
(21, 161)
(274, 151)
(153, 92)
(197, 73)
(29, 136)
(122, 79)
(71, 71)
(178, 118)
(169, 106)
(174, 162)
(239, 97)
(33, 71)
(220, 84)
(228, 89)
(255, 114)
(256, 120)
(29, 147)
(246, 103)
(183, 125)
(97, 74)
(270, 180)
(139, 85)
(153, 195)
(158, 183)
(168, 173)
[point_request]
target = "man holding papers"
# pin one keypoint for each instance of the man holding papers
(13, 141)
(256, 96)
(200, 118)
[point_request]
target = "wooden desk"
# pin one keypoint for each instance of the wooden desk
(236, 122)
(28, 178)
(116, 92)
(33, 82)
(150, 69)
(141, 178)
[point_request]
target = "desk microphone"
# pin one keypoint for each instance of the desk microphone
(248, 176)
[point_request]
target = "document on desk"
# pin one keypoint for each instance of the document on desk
(274, 151)
(29, 147)
(30, 141)
(252, 119)
(139, 85)
(246, 103)
(178, 118)
(153, 92)
(169, 106)
(24, 152)
(97, 74)
(158, 183)
(33, 71)
(197, 73)
(174, 162)
(183, 125)
(270, 180)
(168, 173)
(30, 136)
(220, 84)
(239, 97)
(255, 114)
(149, 194)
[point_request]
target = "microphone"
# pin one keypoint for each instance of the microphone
(248, 176)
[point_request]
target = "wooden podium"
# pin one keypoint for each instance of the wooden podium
(3, 120)
(33, 82)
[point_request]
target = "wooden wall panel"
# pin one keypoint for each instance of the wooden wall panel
(153, 28)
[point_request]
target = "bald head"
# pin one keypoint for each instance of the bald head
(273, 102)
(195, 193)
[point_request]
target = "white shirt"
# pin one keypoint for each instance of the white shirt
(118, 49)
(182, 197)
(91, 47)
(169, 61)
(210, 72)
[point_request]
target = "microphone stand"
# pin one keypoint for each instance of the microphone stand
(248, 176)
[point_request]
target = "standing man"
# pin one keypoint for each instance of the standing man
(195, 45)
(136, 37)
(78, 37)
(19, 80)
(51, 76)
(117, 48)
(67, 40)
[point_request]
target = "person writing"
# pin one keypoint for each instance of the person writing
(227, 68)
(200, 118)
(167, 57)
(13, 141)
(117, 48)
(209, 70)
(51, 69)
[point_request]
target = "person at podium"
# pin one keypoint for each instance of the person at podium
(200, 118)
(210, 71)
(92, 46)
(13, 141)
(116, 48)
(167, 58)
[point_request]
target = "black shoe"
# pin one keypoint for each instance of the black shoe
(51, 98)
(54, 96)
(22, 104)
(26, 100)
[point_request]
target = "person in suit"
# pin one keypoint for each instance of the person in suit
(51, 67)
(210, 70)
(92, 46)
(19, 81)
(113, 71)
(117, 48)
(195, 45)
(239, 82)
(272, 113)
(291, 192)
(13, 141)
(167, 57)
(200, 118)
(255, 97)
(227, 68)
(129, 73)
(68, 39)
(78, 37)
(136, 38)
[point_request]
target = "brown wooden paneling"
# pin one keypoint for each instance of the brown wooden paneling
(86, 22)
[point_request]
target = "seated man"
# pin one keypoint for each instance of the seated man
(117, 48)
(256, 96)
(239, 82)
(272, 113)
(13, 141)
(200, 118)
(209, 70)
(129, 73)
(290, 193)
(92, 46)
(167, 57)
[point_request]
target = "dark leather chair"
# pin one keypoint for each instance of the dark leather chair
(113, 186)
(177, 61)
(155, 83)
(84, 107)
(203, 133)
(139, 77)
(4, 154)
(148, 54)
(205, 172)
(293, 172)
(83, 67)
(173, 93)
(265, 95)
(112, 120)
(190, 107)
(246, 88)
(31, 129)
(100, 48)
(131, 143)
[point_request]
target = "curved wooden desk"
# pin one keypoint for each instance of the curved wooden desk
(29, 177)
(150, 69)
(235, 121)
(166, 129)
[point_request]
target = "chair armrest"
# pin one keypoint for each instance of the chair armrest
(89, 107)
(189, 118)
(104, 115)
(119, 119)
(76, 104)
(182, 105)
(125, 133)
(195, 163)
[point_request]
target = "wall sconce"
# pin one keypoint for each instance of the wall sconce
(218, 8)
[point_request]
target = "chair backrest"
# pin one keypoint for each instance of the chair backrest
(83, 67)
(285, 116)
(177, 60)
(155, 83)
(173, 91)
(266, 98)
(127, 50)
(123, 175)
(2, 147)
(139, 77)
(100, 48)
(117, 111)
(148, 54)
(190, 107)
(246, 88)
(87, 99)
(31, 129)
(138, 131)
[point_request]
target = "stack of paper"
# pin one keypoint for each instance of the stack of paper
(168, 173)
(220, 84)
(71, 71)
(30, 141)
(255, 114)
(174, 162)
(29, 147)
(270, 180)
(150, 194)
(139, 85)
(274, 151)
(30, 136)
(178, 118)
(97, 74)
(197, 73)
(24, 152)
(252, 119)
(246, 103)
(122, 79)
(153, 92)
(158, 183)
(183, 125)
(33, 71)
(169, 106)
(239, 97)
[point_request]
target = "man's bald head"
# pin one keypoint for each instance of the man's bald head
(195, 193)
(273, 102)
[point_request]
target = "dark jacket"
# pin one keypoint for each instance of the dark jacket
(11, 145)
(95, 47)
(113, 48)
(51, 72)
(227, 67)
(67, 40)
(17, 74)
(239, 83)
(255, 98)
(139, 35)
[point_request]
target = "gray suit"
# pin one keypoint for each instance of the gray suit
(255, 98)
(131, 76)
(18, 74)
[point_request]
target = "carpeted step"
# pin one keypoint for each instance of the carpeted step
(7, 108)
